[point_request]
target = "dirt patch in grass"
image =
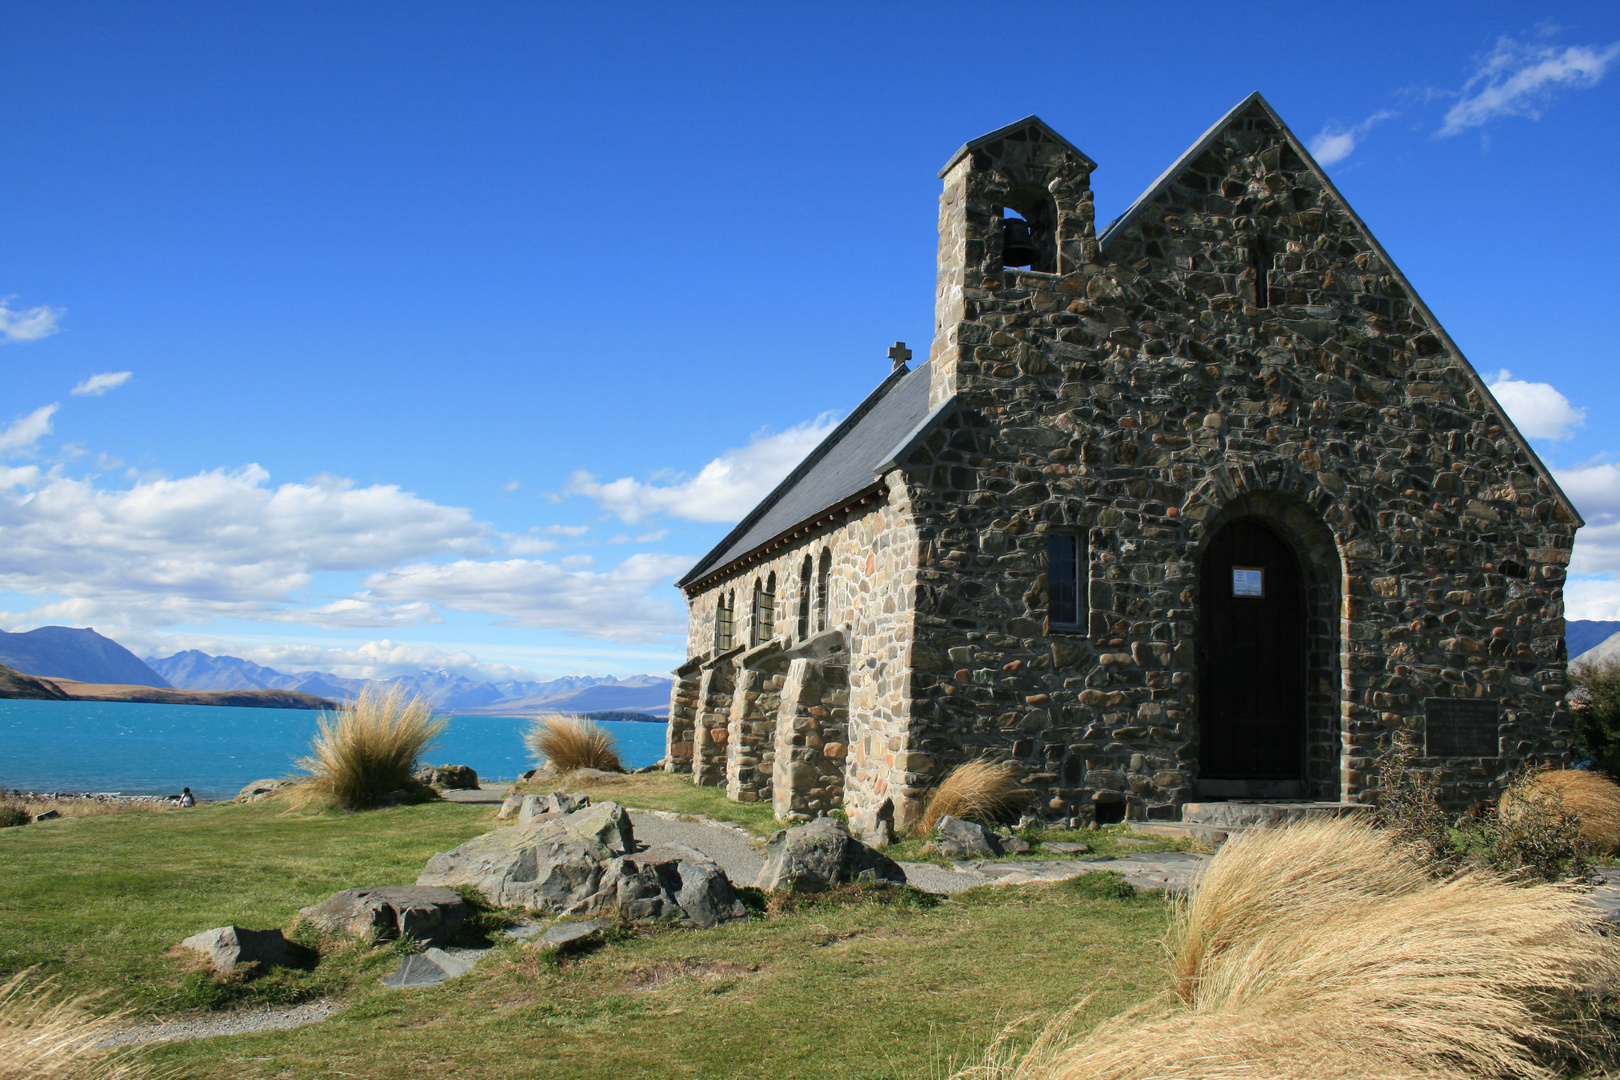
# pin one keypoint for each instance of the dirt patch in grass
(644, 980)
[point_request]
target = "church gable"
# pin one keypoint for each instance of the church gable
(1246, 223)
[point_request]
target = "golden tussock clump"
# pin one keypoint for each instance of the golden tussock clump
(48, 1036)
(1593, 798)
(369, 748)
(981, 790)
(567, 743)
(1317, 950)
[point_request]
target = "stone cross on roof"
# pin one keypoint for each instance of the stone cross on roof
(899, 354)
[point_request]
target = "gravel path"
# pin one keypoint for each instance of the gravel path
(241, 1023)
(736, 850)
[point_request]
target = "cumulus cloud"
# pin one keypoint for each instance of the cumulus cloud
(724, 490)
(1539, 410)
(1594, 488)
(96, 385)
(218, 544)
(613, 605)
(1515, 79)
(25, 431)
(28, 324)
(1334, 142)
(1592, 598)
(568, 530)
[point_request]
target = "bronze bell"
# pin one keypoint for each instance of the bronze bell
(1017, 246)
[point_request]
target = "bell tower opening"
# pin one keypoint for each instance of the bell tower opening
(1028, 233)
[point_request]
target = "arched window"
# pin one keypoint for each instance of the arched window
(764, 610)
(821, 589)
(804, 598)
(723, 624)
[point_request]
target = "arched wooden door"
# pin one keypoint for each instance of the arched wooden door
(1251, 657)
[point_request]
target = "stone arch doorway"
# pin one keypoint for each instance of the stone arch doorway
(1253, 656)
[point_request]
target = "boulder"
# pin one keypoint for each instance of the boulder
(229, 947)
(428, 968)
(262, 789)
(545, 867)
(594, 774)
(460, 777)
(821, 854)
(566, 934)
(606, 823)
(427, 913)
(48, 815)
(530, 807)
(509, 807)
(560, 802)
(958, 839)
(672, 882)
(875, 824)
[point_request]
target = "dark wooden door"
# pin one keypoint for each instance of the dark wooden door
(1251, 657)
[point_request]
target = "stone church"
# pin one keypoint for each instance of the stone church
(1205, 505)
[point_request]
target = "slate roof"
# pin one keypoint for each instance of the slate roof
(848, 462)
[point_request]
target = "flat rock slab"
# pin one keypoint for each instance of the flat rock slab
(1172, 871)
(480, 796)
(427, 913)
(1065, 847)
(570, 933)
(428, 968)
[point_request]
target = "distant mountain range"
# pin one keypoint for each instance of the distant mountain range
(63, 652)
(194, 670)
(1582, 635)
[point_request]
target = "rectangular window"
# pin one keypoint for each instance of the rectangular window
(1065, 576)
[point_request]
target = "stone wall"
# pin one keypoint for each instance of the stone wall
(1147, 398)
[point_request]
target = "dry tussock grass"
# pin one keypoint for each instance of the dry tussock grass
(567, 743)
(45, 1035)
(366, 750)
(1317, 951)
(86, 807)
(1593, 798)
(981, 790)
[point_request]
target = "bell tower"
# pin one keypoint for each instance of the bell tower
(1015, 215)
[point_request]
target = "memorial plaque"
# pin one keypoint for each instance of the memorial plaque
(1249, 581)
(1460, 727)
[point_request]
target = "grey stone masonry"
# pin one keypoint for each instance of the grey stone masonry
(1236, 348)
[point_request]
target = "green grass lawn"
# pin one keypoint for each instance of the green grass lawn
(893, 985)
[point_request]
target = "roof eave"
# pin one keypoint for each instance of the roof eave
(1029, 121)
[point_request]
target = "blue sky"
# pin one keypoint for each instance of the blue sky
(454, 332)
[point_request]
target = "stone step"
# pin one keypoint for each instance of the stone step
(1177, 830)
(1247, 813)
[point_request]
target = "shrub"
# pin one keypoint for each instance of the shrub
(1596, 712)
(1532, 834)
(981, 790)
(47, 1036)
(368, 749)
(1321, 950)
(1593, 800)
(1409, 806)
(13, 814)
(567, 743)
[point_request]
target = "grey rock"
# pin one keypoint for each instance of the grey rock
(427, 913)
(675, 882)
(559, 802)
(606, 823)
(594, 774)
(821, 854)
(570, 933)
(48, 815)
(261, 789)
(1013, 845)
(229, 947)
(542, 867)
(1064, 847)
(958, 839)
(875, 825)
(529, 808)
(509, 807)
(427, 969)
(522, 933)
(460, 777)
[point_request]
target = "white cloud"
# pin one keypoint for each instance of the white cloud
(568, 530)
(1592, 598)
(530, 545)
(1595, 491)
(614, 605)
(1539, 410)
(726, 488)
(1520, 80)
(27, 430)
(218, 544)
(96, 385)
(383, 659)
(1335, 143)
(27, 325)
(511, 486)
(353, 613)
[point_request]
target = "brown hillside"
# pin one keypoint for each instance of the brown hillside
(71, 690)
(15, 684)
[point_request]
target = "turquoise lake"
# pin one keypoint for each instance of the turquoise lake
(214, 749)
